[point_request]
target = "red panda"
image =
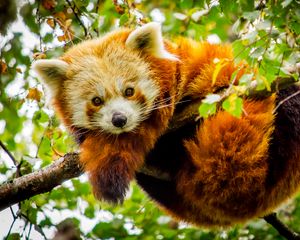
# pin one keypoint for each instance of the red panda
(117, 95)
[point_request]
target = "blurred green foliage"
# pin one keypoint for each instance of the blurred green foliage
(263, 33)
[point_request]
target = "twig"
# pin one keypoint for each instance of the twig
(97, 5)
(86, 33)
(29, 232)
(286, 99)
(282, 229)
(39, 23)
(17, 165)
(11, 226)
(8, 153)
(268, 42)
(37, 227)
(12, 212)
(25, 226)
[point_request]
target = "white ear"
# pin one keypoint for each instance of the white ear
(148, 38)
(51, 72)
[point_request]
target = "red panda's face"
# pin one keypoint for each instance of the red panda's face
(109, 93)
(107, 84)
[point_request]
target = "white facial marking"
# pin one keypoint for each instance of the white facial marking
(130, 109)
(149, 89)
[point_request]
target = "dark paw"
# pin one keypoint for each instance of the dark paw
(111, 184)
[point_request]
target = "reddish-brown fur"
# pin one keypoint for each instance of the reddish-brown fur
(220, 174)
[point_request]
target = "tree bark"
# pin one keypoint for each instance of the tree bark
(44, 180)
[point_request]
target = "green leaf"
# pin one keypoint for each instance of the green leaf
(247, 5)
(124, 19)
(207, 109)
(285, 3)
(186, 4)
(246, 79)
(46, 222)
(241, 50)
(3, 168)
(26, 167)
(257, 52)
(233, 105)
(105, 230)
(251, 15)
(295, 27)
(81, 3)
(14, 236)
(32, 215)
(228, 7)
(89, 212)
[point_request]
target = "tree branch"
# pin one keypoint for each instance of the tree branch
(8, 153)
(75, 9)
(282, 229)
(44, 180)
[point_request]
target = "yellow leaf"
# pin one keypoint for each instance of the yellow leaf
(265, 81)
(3, 67)
(39, 55)
(50, 22)
(34, 94)
(57, 153)
(60, 16)
(220, 64)
(61, 38)
(68, 23)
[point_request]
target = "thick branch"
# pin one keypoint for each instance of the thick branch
(41, 181)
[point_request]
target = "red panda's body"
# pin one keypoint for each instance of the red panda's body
(223, 170)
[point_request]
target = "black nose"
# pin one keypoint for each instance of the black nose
(118, 119)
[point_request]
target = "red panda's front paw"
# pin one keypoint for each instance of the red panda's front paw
(110, 184)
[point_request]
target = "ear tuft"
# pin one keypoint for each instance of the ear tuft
(51, 72)
(148, 38)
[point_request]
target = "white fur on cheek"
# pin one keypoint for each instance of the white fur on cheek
(77, 104)
(149, 89)
(130, 109)
(79, 117)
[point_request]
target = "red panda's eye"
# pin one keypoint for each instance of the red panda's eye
(129, 92)
(97, 101)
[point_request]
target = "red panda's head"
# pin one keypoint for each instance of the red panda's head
(107, 83)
